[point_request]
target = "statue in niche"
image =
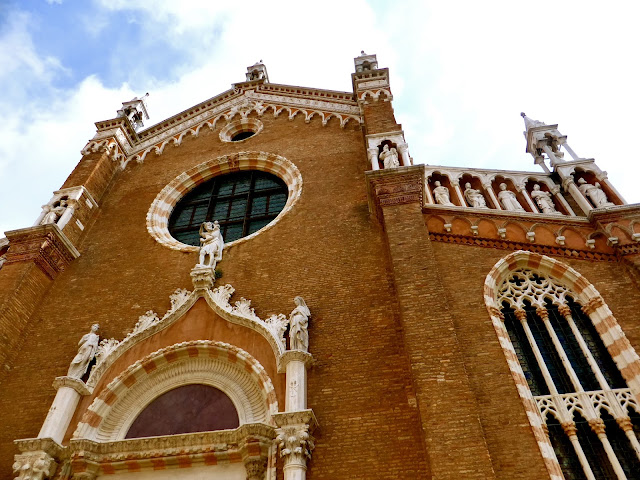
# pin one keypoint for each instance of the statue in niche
(594, 193)
(474, 197)
(211, 244)
(53, 213)
(87, 348)
(299, 324)
(508, 199)
(389, 157)
(543, 200)
(441, 194)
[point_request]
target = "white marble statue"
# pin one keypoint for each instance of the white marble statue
(211, 244)
(389, 157)
(87, 348)
(474, 197)
(594, 193)
(543, 200)
(508, 199)
(53, 212)
(441, 194)
(299, 323)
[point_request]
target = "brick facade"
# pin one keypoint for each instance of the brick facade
(409, 379)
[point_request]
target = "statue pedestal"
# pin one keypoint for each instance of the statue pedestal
(203, 277)
(63, 407)
(295, 363)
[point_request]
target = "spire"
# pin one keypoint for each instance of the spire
(136, 111)
(529, 123)
(257, 71)
(365, 62)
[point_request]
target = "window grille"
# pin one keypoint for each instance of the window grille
(581, 395)
(241, 202)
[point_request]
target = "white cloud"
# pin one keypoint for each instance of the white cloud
(461, 72)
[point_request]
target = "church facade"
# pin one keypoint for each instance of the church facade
(265, 286)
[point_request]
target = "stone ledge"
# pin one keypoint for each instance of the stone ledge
(44, 245)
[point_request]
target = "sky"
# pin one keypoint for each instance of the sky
(461, 72)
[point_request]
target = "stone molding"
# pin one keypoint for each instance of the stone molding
(292, 355)
(218, 364)
(182, 300)
(224, 107)
(45, 245)
(38, 458)
(172, 193)
(395, 186)
(295, 440)
(556, 250)
(249, 444)
(71, 382)
(584, 292)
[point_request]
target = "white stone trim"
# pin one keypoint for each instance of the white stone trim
(171, 194)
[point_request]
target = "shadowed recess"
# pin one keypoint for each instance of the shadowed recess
(187, 409)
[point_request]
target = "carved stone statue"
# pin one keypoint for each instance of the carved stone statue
(389, 157)
(594, 193)
(53, 212)
(474, 197)
(299, 323)
(543, 200)
(211, 244)
(508, 199)
(88, 346)
(441, 194)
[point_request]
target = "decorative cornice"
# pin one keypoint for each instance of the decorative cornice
(47, 445)
(248, 443)
(554, 250)
(505, 214)
(241, 313)
(71, 382)
(396, 186)
(125, 146)
(45, 245)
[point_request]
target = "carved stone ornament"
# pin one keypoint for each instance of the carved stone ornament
(33, 466)
(295, 441)
(211, 244)
(240, 313)
(299, 322)
(44, 245)
(248, 443)
(37, 460)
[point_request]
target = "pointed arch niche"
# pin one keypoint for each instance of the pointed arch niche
(576, 372)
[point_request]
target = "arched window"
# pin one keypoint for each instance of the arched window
(186, 409)
(242, 202)
(583, 400)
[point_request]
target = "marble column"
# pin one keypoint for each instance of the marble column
(63, 407)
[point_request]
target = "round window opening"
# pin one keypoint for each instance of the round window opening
(242, 136)
(241, 202)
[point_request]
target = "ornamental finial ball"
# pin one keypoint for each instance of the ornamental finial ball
(522, 114)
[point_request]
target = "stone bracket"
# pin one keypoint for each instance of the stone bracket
(395, 186)
(45, 245)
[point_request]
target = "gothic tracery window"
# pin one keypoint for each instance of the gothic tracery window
(589, 412)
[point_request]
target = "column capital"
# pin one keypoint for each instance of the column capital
(564, 310)
(294, 440)
(38, 458)
(597, 425)
(625, 424)
(569, 428)
(45, 245)
(521, 315)
(542, 313)
(292, 356)
(592, 305)
(71, 382)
